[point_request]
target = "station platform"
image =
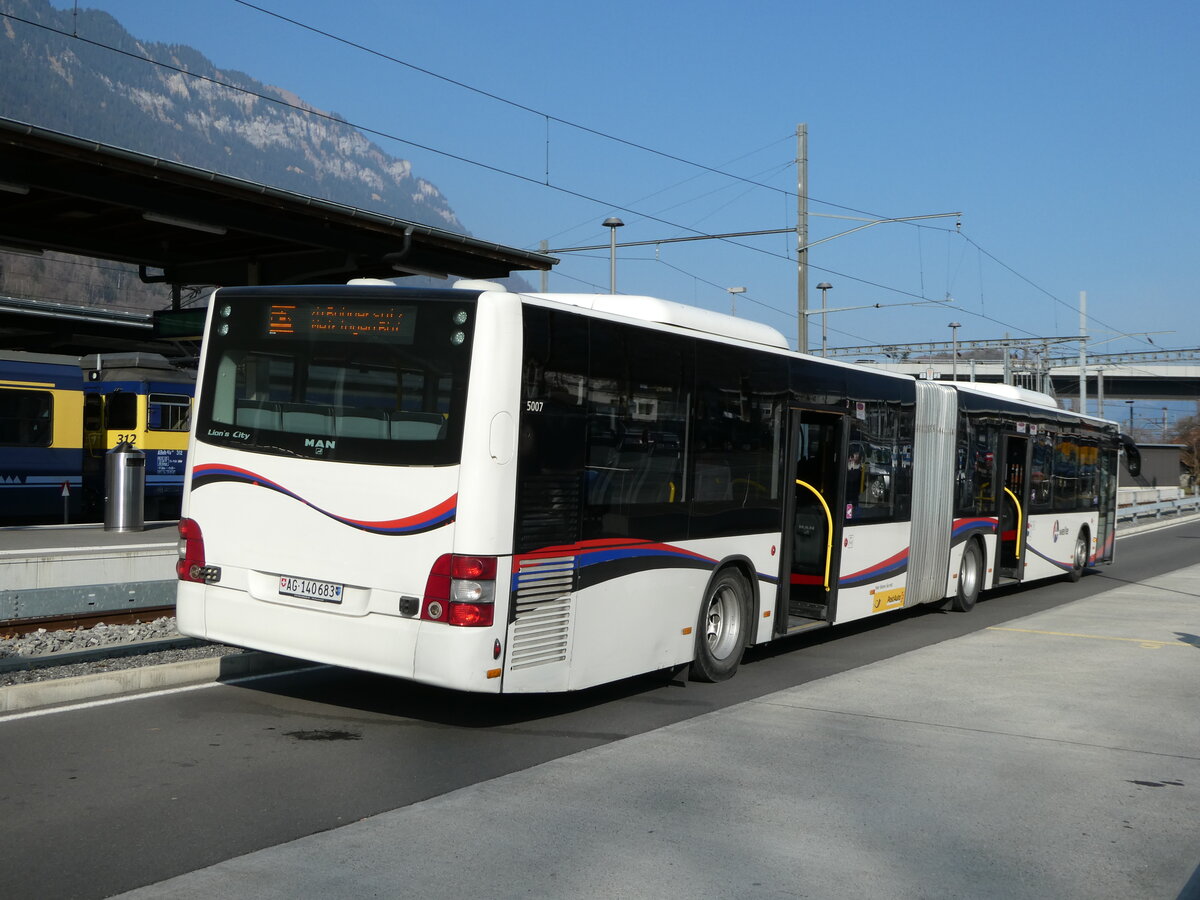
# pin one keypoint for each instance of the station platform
(64, 570)
(1054, 755)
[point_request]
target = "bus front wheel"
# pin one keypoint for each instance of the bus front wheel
(721, 630)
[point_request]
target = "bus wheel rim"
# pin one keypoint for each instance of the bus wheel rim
(968, 575)
(723, 622)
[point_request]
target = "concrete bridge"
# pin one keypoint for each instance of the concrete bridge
(1105, 382)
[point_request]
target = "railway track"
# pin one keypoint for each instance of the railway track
(15, 627)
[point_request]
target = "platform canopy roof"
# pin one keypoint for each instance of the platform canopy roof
(187, 226)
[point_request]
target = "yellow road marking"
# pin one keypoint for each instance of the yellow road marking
(1143, 642)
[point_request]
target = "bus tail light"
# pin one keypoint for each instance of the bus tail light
(191, 565)
(461, 590)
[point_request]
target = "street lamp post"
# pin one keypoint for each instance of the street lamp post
(823, 287)
(954, 326)
(733, 292)
(612, 223)
(802, 250)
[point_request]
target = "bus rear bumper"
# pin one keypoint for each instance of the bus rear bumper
(428, 652)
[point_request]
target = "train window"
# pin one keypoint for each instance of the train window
(25, 419)
(93, 412)
(168, 412)
(121, 411)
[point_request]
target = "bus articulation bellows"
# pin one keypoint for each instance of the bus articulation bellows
(502, 492)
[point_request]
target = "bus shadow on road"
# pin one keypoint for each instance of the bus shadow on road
(662, 697)
(397, 698)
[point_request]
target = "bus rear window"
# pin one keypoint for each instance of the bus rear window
(379, 394)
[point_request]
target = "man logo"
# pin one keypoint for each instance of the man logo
(319, 444)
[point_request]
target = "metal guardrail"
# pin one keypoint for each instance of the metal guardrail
(1177, 506)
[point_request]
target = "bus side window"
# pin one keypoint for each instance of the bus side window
(736, 438)
(1042, 476)
(903, 459)
(964, 468)
(1066, 473)
(870, 466)
(984, 442)
(1089, 476)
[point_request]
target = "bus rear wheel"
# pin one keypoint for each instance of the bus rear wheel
(970, 577)
(1079, 558)
(721, 630)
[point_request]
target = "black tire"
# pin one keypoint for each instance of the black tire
(1079, 558)
(722, 628)
(970, 577)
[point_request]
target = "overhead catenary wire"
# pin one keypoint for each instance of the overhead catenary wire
(529, 109)
(280, 101)
(670, 187)
(548, 117)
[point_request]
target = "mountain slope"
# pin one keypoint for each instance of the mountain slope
(257, 132)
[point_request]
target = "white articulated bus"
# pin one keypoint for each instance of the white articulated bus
(503, 492)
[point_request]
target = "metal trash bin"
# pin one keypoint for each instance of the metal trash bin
(124, 488)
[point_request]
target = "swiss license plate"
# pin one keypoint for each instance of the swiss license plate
(325, 591)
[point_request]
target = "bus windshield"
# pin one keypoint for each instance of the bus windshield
(368, 382)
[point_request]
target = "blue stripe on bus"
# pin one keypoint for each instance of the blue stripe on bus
(601, 560)
(888, 568)
(965, 527)
(595, 564)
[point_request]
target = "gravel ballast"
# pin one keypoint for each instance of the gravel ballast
(48, 655)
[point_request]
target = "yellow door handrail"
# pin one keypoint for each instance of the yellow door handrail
(1017, 504)
(828, 530)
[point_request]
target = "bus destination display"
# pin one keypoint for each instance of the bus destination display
(336, 321)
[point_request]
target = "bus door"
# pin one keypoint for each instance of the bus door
(812, 532)
(1107, 497)
(1014, 508)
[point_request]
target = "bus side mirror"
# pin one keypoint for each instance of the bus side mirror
(1133, 456)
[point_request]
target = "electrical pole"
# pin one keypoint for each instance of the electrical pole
(1083, 352)
(802, 234)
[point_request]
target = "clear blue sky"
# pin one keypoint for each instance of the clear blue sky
(1065, 132)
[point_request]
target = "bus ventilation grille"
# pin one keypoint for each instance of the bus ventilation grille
(542, 631)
